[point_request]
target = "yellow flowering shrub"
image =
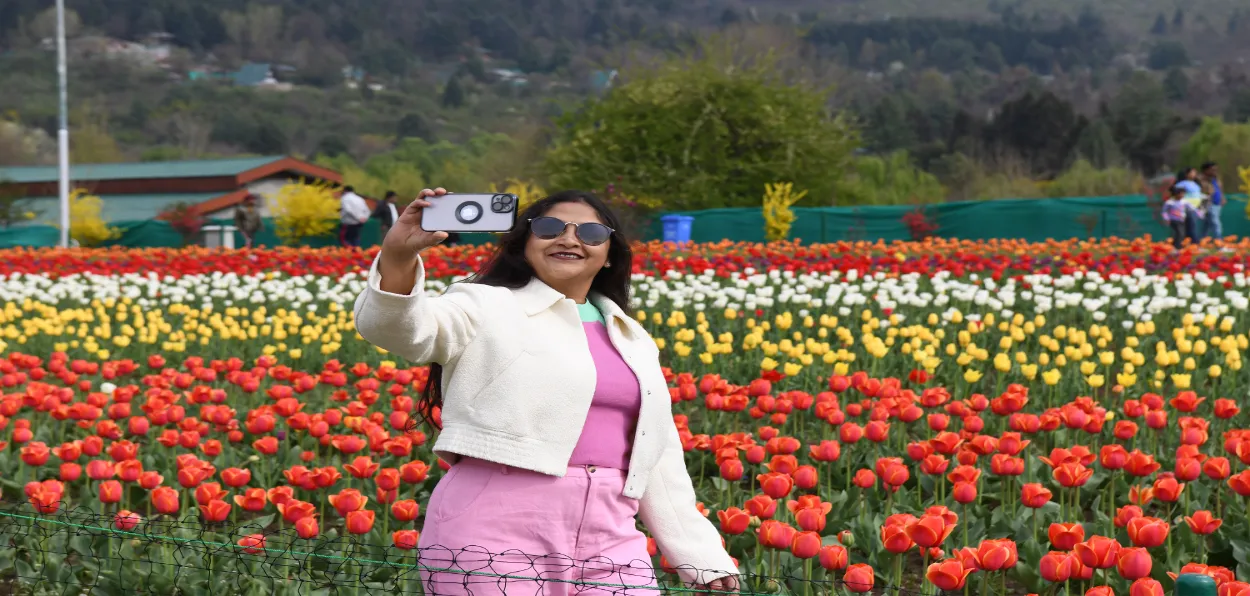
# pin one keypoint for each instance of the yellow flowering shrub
(1245, 185)
(86, 226)
(778, 217)
(304, 210)
(526, 192)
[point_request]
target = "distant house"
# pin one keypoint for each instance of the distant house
(139, 191)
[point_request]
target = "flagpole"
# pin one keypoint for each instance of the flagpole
(62, 136)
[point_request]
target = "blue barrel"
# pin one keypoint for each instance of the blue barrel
(676, 228)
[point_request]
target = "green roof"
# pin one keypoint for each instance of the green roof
(207, 168)
(120, 207)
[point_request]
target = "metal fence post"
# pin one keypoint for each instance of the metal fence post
(1194, 584)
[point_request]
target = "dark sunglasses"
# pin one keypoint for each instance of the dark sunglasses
(550, 228)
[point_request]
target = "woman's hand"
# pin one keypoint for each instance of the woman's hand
(729, 583)
(406, 237)
(397, 263)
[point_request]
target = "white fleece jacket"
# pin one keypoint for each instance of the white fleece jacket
(518, 379)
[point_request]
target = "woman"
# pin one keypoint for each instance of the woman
(554, 412)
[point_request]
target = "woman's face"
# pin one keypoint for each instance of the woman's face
(566, 261)
(1191, 174)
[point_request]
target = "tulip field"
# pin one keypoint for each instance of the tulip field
(946, 416)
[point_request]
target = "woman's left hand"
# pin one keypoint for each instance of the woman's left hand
(729, 583)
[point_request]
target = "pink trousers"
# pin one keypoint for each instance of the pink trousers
(495, 529)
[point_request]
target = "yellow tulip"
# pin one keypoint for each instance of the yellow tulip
(1051, 377)
(972, 375)
(1095, 381)
(1181, 381)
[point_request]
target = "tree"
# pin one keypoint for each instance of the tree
(888, 180)
(413, 124)
(1176, 85)
(1225, 143)
(1161, 25)
(1168, 54)
(1037, 127)
(453, 94)
(1142, 122)
(1096, 144)
(14, 206)
(1239, 106)
(703, 131)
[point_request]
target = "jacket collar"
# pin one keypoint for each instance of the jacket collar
(537, 296)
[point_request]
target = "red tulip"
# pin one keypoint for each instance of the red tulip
(1133, 563)
(1146, 587)
(733, 521)
(775, 485)
(252, 543)
(761, 506)
(236, 477)
(1147, 532)
(964, 492)
(306, 527)
(215, 511)
(948, 575)
(164, 500)
(929, 530)
(859, 578)
(1065, 536)
(405, 510)
(995, 555)
(805, 545)
(833, 557)
(360, 521)
(125, 520)
(1056, 567)
(1203, 523)
(405, 539)
(1035, 495)
(1099, 552)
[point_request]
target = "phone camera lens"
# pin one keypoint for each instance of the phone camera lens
(502, 203)
(468, 212)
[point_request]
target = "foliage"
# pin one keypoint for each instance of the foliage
(634, 212)
(1224, 143)
(86, 225)
(184, 219)
(1245, 185)
(304, 209)
(1085, 180)
(887, 180)
(699, 132)
(14, 207)
(414, 164)
(778, 217)
(919, 225)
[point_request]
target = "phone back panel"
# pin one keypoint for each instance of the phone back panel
(494, 212)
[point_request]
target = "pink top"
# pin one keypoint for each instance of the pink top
(608, 435)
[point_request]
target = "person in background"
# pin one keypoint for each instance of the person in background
(247, 220)
(386, 212)
(1187, 180)
(1174, 213)
(1212, 227)
(353, 213)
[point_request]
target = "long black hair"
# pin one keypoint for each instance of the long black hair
(507, 268)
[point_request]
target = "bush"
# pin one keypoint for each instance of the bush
(778, 217)
(184, 219)
(1085, 180)
(888, 180)
(303, 210)
(86, 226)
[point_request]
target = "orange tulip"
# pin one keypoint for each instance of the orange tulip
(1146, 587)
(859, 578)
(833, 557)
(307, 528)
(1203, 523)
(774, 534)
(775, 485)
(252, 543)
(215, 510)
(405, 539)
(1147, 532)
(996, 555)
(236, 477)
(1133, 563)
(895, 539)
(948, 575)
(929, 530)
(1065, 536)
(964, 492)
(360, 521)
(164, 500)
(1100, 591)
(805, 545)
(1099, 552)
(1072, 474)
(405, 510)
(110, 491)
(209, 491)
(733, 521)
(1167, 489)
(125, 520)
(348, 500)
(1056, 567)
(1034, 495)
(761, 506)
(252, 499)
(362, 467)
(294, 510)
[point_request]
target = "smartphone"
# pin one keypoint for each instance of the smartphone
(455, 212)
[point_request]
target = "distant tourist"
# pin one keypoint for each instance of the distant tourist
(1212, 227)
(1174, 213)
(247, 220)
(354, 212)
(387, 213)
